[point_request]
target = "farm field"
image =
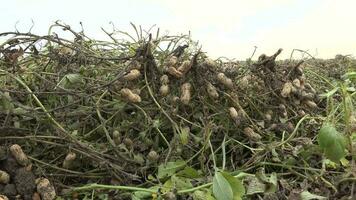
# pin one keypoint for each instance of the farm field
(151, 116)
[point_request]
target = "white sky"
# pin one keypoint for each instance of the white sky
(228, 28)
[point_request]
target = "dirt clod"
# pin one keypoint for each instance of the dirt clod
(10, 190)
(25, 182)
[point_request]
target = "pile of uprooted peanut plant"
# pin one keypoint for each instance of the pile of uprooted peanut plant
(152, 117)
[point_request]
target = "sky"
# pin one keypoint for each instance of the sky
(229, 28)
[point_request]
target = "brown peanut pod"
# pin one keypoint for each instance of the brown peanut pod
(174, 72)
(164, 80)
(185, 67)
(164, 90)
(233, 113)
(244, 82)
(227, 82)
(116, 137)
(3, 197)
(251, 134)
(296, 83)
(4, 177)
(69, 160)
(268, 117)
(211, 64)
(287, 89)
(185, 93)
(132, 75)
(45, 189)
(310, 104)
(130, 96)
(171, 61)
(213, 93)
(19, 155)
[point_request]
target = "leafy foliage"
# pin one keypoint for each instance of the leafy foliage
(332, 142)
(227, 187)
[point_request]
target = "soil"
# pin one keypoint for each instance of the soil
(22, 181)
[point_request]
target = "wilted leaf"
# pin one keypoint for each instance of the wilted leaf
(221, 188)
(270, 182)
(181, 183)
(332, 143)
(254, 186)
(169, 169)
(305, 195)
(202, 195)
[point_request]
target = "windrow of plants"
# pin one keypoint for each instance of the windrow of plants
(151, 116)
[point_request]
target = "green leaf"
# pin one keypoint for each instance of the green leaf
(74, 78)
(140, 195)
(237, 187)
(221, 187)
(349, 75)
(71, 80)
(332, 143)
(6, 102)
(189, 172)
(330, 93)
(305, 195)
(178, 183)
(167, 186)
(169, 169)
